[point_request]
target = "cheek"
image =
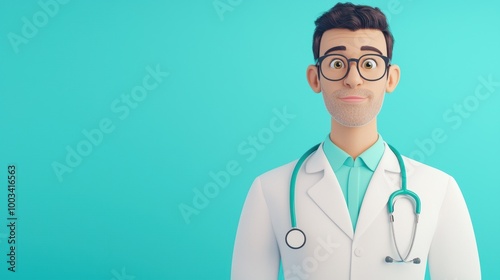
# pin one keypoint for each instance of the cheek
(378, 98)
(379, 87)
(329, 86)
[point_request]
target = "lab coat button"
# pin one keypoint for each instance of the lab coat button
(358, 252)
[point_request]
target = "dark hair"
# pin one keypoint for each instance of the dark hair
(352, 17)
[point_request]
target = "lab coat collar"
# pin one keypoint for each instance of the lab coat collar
(327, 194)
(318, 161)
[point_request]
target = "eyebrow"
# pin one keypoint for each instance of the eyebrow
(369, 48)
(337, 48)
(363, 48)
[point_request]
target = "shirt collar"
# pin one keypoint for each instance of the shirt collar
(337, 157)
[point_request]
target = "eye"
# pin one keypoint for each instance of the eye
(337, 64)
(369, 64)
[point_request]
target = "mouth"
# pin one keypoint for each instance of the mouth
(353, 99)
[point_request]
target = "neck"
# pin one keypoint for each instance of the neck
(354, 140)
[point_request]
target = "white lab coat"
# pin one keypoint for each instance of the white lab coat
(445, 237)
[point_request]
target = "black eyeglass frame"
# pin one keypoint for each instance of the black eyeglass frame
(321, 58)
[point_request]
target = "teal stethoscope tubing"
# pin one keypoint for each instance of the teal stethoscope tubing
(390, 204)
(294, 179)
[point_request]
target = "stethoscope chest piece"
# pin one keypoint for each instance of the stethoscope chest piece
(295, 238)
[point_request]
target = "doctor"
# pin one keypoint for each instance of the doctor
(342, 188)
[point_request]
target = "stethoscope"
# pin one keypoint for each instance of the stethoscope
(296, 238)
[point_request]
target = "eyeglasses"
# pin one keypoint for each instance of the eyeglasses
(335, 67)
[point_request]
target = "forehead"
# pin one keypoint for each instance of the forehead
(353, 40)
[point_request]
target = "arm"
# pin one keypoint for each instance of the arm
(453, 253)
(256, 253)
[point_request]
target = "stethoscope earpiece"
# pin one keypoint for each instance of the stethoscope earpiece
(391, 260)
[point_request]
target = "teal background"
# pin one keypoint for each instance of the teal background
(116, 215)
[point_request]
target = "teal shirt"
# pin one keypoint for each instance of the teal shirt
(353, 175)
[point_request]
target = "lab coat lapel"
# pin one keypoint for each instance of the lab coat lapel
(327, 194)
(385, 180)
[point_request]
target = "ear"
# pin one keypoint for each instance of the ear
(313, 78)
(392, 78)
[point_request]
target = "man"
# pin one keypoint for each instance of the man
(342, 189)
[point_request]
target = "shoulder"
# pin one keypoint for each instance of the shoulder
(422, 168)
(275, 181)
(430, 178)
(417, 167)
(278, 175)
(416, 171)
(282, 170)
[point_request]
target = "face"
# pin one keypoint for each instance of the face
(353, 101)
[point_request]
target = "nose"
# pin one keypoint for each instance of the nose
(353, 79)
